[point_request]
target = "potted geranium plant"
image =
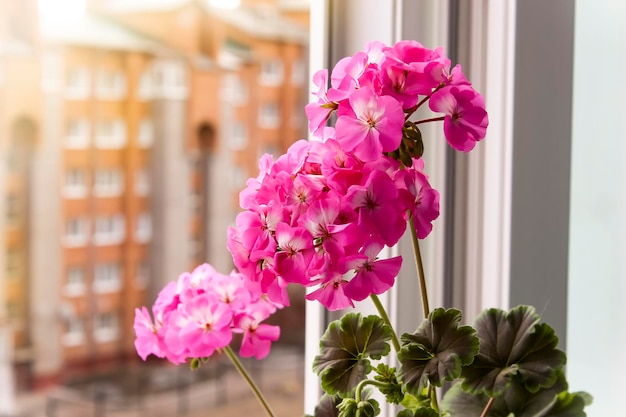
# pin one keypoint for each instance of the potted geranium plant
(320, 215)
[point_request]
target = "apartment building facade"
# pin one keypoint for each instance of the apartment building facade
(123, 168)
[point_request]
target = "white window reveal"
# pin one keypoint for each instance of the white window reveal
(143, 233)
(108, 182)
(74, 332)
(76, 232)
(75, 186)
(75, 281)
(271, 73)
(111, 134)
(109, 230)
(77, 134)
(107, 278)
(145, 137)
(269, 117)
(106, 327)
(110, 85)
(77, 84)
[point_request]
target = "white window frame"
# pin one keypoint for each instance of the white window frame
(75, 186)
(271, 72)
(77, 134)
(110, 85)
(77, 84)
(109, 230)
(269, 115)
(75, 331)
(143, 231)
(108, 182)
(233, 89)
(107, 278)
(106, 327)
(145, 134)
(168, 80)
(76, 232)
(75, 287)
(110, 134)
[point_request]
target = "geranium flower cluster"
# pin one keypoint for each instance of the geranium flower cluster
(320, 216)
(199, 313)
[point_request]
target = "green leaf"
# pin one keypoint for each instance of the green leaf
(514, 348)
(437, 350)
(420, 412)
(391, 388)
(412, 402)
(554, 401)
(345, 350)
(327, 406)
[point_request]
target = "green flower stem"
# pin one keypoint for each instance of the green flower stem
(362, 384)
(242, 371)
(385, 317)
(487, 407)
(432, 391)
(420, 267)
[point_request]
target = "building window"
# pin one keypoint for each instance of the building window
(77, 84)
(142, 182)
(106, 327)
(13, 209)
(108, 182)
(143, 233)
(269, 117)
(77, 134)
(74, 332)
(145, 138)
(75, 183)
(111, 134)
(238, 139)
(271, 72)
(298, 73)
(76, 232)
(237, 177)
(110, 85)
(75, 281)
(142, 275)
(165, 79)
(233, 89)
(107, 278)
(109, 230)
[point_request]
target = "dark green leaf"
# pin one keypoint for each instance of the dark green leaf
(327, 407)
(345, 350)
(420, 412)
(437, 350)
(392, 390)
(554, 401)
(514, 347)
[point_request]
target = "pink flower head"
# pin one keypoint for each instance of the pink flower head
(319, 112)
(465, 120)
(295, 252)
(147, 341)
(371, 125)
(331, 294)
(420, 198)
(372, 275)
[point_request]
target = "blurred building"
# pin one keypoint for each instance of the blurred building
(127, 134)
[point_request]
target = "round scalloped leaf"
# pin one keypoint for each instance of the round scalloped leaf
(514, 346)
(345, 350)
(327, 406)
(420, 412)
(549, 402)
(437, 350)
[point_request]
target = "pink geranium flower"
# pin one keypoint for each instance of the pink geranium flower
(465, 121)
(371, 125)
(372, 275)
